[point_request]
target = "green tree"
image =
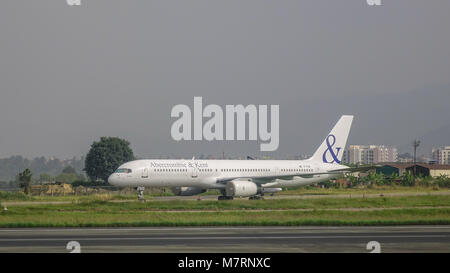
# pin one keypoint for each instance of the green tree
(66, 177)
(69, 175)
(45, 177)
(25, 180)
(105, 156)
(353, 180)
(378, 178)
(69, 169)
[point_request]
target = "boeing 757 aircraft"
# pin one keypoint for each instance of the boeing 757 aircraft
(240, 178)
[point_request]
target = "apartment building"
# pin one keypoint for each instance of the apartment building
(441, 155)
(369, 154)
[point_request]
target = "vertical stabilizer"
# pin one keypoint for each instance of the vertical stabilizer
(332, 148)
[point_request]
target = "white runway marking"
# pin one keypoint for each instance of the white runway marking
(222, 238)
(223, 228)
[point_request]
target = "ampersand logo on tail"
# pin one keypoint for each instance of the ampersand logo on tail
(330, 151)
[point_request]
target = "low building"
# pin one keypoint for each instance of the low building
(433, 170)
(394, 168)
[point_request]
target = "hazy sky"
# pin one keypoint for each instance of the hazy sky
(69, 75)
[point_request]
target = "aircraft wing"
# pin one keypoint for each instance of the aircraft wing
(267, 179)
(271, 178)
(355, 169)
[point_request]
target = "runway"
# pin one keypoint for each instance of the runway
(229, 239)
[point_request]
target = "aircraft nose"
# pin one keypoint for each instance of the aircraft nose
(113, 179)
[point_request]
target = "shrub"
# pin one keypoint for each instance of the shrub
(443, 181)
(408, 179)
(13, 196)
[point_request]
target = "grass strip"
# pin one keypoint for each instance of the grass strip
(95, 218)
(244, 204)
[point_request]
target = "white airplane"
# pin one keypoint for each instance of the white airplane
(240, 178)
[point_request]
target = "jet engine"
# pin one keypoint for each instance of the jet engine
(241, 188)
(187, 191)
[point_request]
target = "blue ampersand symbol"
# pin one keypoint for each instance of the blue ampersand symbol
(330, 149)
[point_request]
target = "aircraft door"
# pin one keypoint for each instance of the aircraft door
(145, 173)
(194, 172)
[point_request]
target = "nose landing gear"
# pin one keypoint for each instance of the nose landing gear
(141, 196)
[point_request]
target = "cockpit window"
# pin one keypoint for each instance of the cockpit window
(123, 170)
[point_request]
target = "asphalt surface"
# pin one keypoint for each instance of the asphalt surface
(229, 239)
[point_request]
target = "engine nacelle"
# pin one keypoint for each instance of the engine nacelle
(187, 191)
(241, 188)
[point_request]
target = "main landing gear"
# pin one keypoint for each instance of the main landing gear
(256, 197)
(223, 197)
(141, 196)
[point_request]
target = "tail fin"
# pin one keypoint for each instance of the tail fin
(332, 148)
